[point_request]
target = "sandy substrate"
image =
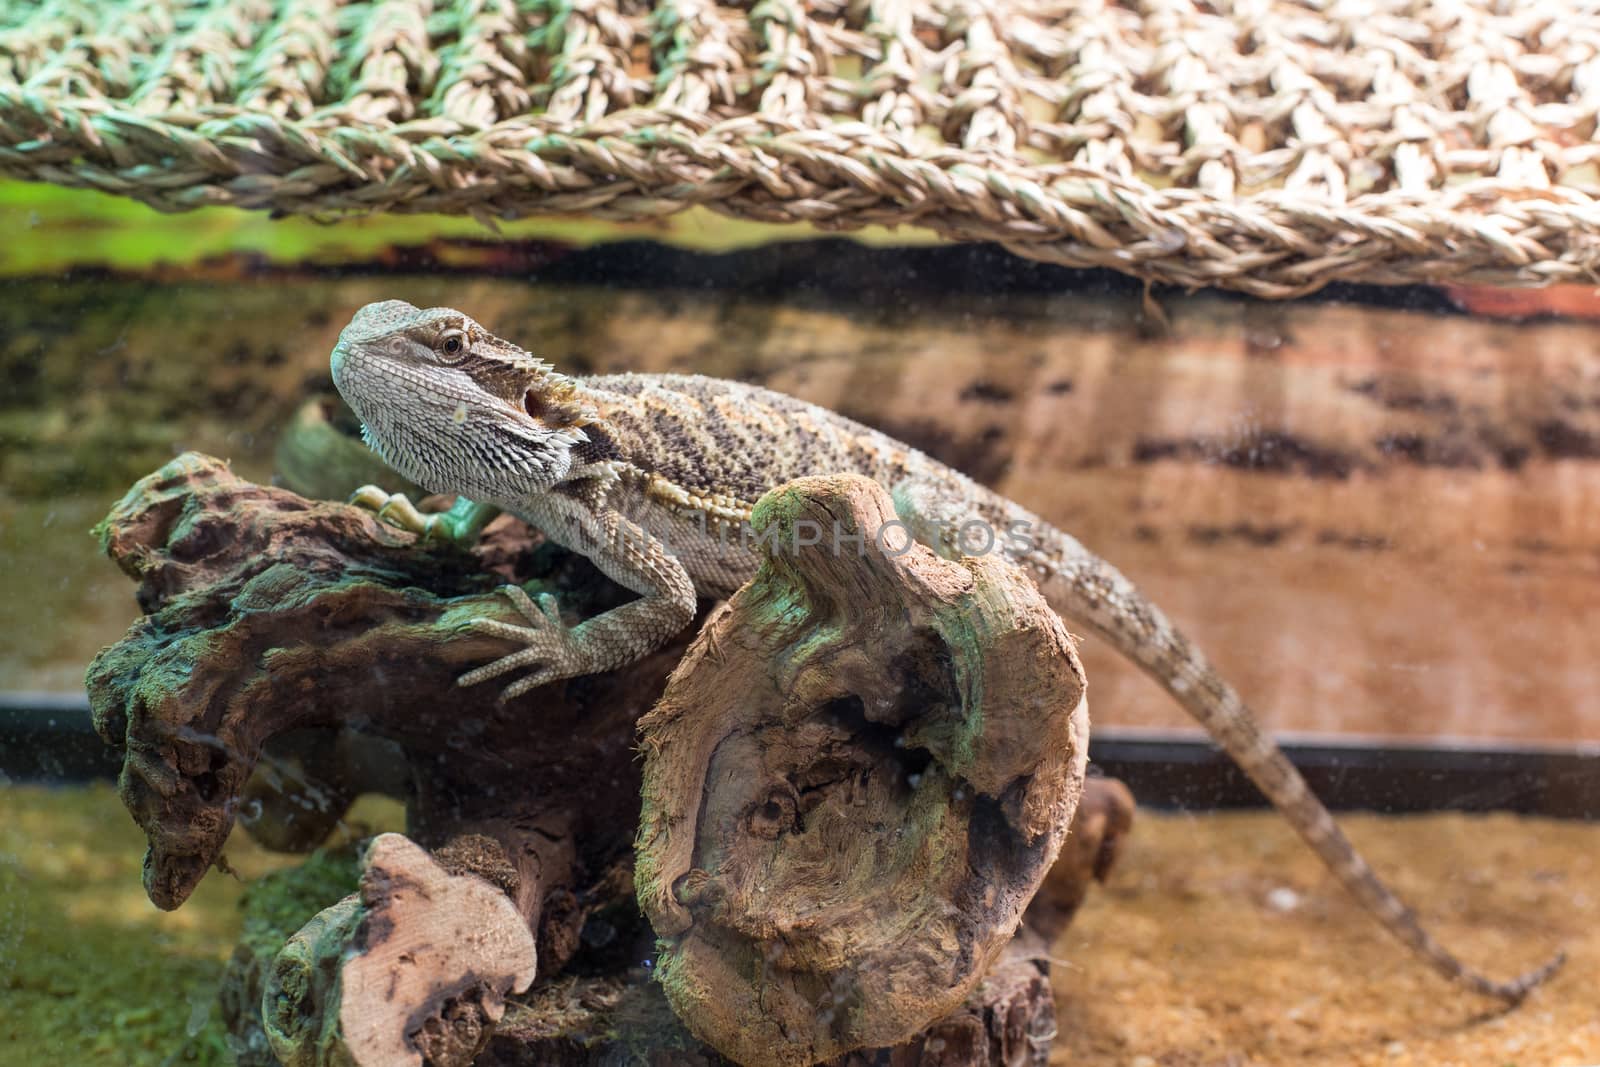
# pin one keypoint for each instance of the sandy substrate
(1221, 942)
(1180, 961)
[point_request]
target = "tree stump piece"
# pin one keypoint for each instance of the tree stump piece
(414, 968)
(856, 778)
(267, 615)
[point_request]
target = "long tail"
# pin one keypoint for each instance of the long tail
(1090, 591)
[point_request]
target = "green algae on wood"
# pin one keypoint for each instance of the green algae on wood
(274, 909)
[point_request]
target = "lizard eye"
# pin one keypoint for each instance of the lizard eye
(452, 347)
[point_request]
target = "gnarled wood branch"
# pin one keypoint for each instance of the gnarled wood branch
(890, 747)
(270, 616)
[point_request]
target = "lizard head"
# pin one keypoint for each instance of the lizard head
(455, 408)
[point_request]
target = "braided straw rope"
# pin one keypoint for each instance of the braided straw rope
(1270, 146)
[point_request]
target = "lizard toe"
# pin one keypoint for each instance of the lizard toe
(522, 635)
(547, 645)
(543, 614)
(532, 681)
(525, 657)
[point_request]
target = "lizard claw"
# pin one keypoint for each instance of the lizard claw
(546, 641)
(395, 509)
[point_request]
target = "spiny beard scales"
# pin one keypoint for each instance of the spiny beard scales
(451, 437)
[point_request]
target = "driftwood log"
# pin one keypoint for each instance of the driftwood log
(273, 617)
(294, 654)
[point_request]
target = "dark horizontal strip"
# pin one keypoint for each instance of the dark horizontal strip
(832, 272)
(48, 738)
(1388, 776)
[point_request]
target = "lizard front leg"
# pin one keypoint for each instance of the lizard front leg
(460, 525)
(627, 554)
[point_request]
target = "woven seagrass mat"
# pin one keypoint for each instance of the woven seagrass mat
(1270, 146)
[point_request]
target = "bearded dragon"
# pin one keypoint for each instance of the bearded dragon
(651, 476)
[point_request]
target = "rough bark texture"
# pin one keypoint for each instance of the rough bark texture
(272, 618)
(1007, 1021)
(854, 783)
(312, 645)
(1099, 827)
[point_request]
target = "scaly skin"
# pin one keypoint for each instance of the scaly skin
(652, 476)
